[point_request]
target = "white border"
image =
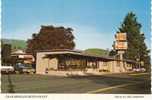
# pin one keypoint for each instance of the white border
(76, 96)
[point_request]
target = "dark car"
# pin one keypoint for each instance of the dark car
(24, 68)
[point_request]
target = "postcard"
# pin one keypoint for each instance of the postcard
(76, 49)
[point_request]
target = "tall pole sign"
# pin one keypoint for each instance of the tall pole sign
(120, 45)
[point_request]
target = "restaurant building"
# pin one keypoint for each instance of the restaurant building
(73, 60)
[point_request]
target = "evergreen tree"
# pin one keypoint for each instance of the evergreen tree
(137, 49)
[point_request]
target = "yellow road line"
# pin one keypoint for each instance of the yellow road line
(139, 74)
(112, 87)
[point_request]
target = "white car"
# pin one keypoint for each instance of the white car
(139, 69)
(143, 69)
(7, 69)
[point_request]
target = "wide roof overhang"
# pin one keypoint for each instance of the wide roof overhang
(78, 53)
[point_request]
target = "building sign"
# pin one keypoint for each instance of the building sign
(120, 45)
(121, 41)
(20, 56)
(27, 57)
(121, 37)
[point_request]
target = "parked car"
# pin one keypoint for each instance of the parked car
(139, 69)
(28, 70)
(143, 69)
(24, 68)
(136, 70)
(7, 69)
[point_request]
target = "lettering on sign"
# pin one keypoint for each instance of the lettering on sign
(121, 45)
(121, 37)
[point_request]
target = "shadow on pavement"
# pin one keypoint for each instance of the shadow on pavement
(10, 86)
(112, 80)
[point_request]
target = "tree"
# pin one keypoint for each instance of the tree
(137, 48)
(49, 38)
(6, 54)
(112, 53)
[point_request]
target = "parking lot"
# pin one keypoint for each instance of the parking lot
(136, 83)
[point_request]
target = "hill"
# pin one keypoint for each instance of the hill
(97, 51)
(15, 43)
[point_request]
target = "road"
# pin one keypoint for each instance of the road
(105, 84)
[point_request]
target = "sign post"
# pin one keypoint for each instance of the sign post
(120, 45)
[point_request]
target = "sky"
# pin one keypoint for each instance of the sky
(94, 21)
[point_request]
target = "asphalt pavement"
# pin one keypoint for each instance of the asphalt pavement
(136, 83)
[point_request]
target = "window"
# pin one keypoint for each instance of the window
(118, 63)
(105, 63)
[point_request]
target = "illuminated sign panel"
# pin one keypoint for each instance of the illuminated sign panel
(21, 56)
(121, 37)
(120, 45)
(26, 57)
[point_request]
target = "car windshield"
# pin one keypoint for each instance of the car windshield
(20, 65)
